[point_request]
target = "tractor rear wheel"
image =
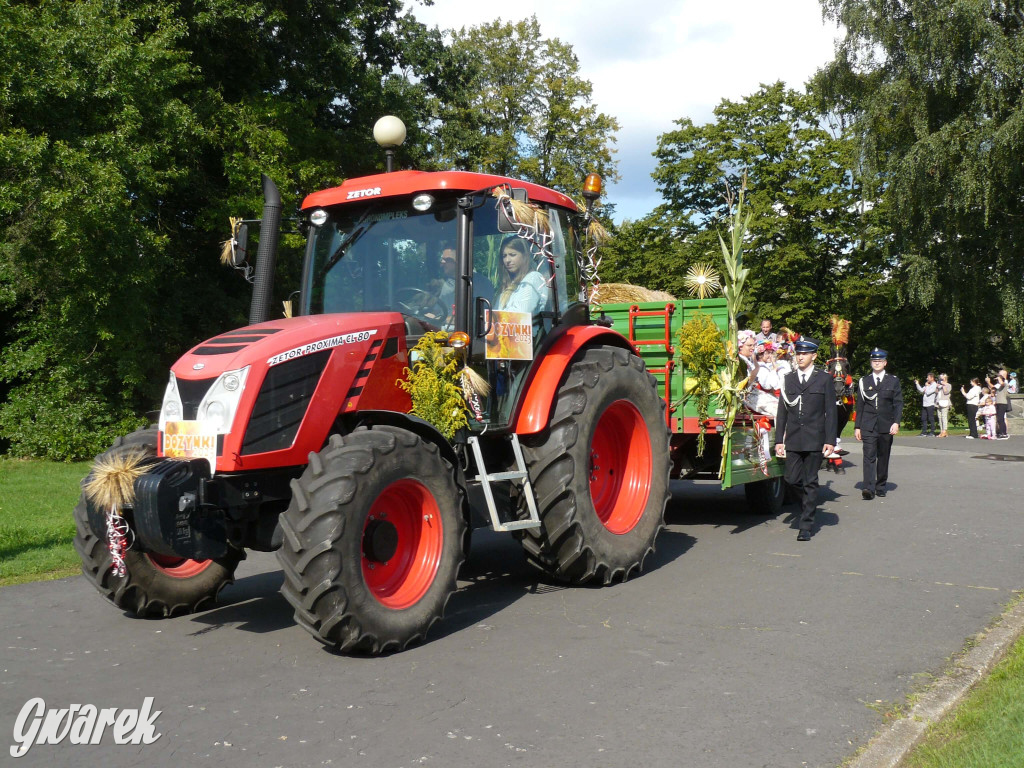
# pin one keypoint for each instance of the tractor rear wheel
(154, 585)
(373, 540)
(599, 471)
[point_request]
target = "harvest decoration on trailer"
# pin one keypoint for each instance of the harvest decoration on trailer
(739, 435)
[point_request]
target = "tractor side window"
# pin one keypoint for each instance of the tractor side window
(565, 245)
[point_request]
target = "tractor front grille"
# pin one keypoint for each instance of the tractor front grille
(192, 392)
(282, 402)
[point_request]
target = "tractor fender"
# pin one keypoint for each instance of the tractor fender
(547, 373)
(418, 426)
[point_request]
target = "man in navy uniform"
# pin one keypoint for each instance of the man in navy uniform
(879, 410)
(805, 428)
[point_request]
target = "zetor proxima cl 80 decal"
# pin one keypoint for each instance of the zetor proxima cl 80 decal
(319, 346)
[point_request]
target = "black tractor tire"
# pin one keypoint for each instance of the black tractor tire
(766, 497)
(154, 586)
(600, 471)
(373, 540)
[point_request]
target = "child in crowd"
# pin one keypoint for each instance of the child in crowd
(987, 410)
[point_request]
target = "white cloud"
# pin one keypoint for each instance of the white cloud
(654, 61)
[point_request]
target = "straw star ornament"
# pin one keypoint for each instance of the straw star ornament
(702, 281)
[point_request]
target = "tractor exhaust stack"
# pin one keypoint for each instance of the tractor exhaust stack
(266, 256)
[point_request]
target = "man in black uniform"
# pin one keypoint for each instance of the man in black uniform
(879, 410)
(805, 428)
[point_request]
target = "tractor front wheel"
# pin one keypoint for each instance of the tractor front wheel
(373, 540)
(153, 585)
(599, 471)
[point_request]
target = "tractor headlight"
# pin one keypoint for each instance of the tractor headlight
(218, 407)
(171, 408)
(216, 414)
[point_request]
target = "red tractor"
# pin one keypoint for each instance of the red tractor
(293, 435)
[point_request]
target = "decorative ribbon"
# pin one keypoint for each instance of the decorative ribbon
(762, 429)
(117, 541)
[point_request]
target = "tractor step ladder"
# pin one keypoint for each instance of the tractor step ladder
(519, 474)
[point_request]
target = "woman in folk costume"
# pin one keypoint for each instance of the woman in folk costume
(763, 395)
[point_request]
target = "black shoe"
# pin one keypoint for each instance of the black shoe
(803, 536)
(923, 434)
(840, 471)
(867, 495)
(880, 494)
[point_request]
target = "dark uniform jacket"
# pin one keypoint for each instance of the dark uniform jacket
(810, 422)
(878, 408)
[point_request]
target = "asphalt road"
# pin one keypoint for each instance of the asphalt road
(738, 646)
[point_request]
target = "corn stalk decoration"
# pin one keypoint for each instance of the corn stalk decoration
(734, 373)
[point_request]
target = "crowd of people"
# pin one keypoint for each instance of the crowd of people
(783, 384)
(987, 405)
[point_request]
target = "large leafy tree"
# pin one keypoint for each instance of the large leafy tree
(808, 237)
(525, 110)
(129, 131)
(936, 93)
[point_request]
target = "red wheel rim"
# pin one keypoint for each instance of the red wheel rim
(401, 580)
(178, 567)
(620, 467)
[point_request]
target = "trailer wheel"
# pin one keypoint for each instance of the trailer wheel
(373, 540)
(154, 585)
(766, 497)
(599, 471)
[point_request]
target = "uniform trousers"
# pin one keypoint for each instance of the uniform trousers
(802, 475)
(876, 460)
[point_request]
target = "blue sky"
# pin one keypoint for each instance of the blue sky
(655, 61)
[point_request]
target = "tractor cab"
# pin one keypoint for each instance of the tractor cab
(433, 247)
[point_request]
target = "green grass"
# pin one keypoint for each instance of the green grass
(987, 729)
(36, 526)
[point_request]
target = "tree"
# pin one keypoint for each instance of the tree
(807, 233)
(525, 111)
(935, 92)
(129, 131)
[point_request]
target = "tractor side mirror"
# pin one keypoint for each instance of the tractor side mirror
(240, 246)
(504, 224)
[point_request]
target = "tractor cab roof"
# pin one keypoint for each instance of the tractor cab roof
(405, 183)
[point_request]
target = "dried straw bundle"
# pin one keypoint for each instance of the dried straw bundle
(227, 247)
(112, 484)
(623, 293)
(476, 383)
(597, 233)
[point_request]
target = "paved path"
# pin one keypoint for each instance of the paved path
(738, 647)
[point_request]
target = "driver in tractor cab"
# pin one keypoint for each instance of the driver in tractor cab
(482, 287)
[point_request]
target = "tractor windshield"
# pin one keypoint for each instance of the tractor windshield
(384, 256)
(387, 256)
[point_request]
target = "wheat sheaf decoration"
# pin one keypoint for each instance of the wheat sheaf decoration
(702, 281)
(112, 481)
(111, 486)
(227, 248)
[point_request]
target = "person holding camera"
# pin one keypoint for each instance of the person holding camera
(930, 390)
(942, 403)
(1001, 393)
(973, 397)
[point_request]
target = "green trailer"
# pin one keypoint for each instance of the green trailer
(653, 328)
